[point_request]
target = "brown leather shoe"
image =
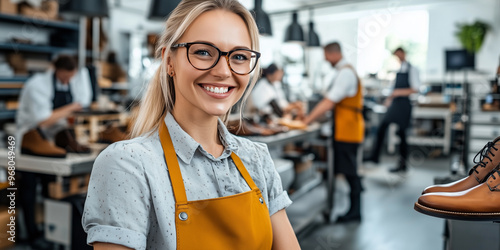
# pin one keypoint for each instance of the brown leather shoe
(489, 158)
(66, 139)
(34, 143)
(481, 202)
(112, 135)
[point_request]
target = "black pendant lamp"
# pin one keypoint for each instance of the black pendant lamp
(294, 32)
(312, 37)
(90, 8)
(160, 9)
(262, 19)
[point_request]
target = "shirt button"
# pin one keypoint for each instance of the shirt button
(183, 216)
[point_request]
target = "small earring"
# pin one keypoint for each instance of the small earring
(172, 74)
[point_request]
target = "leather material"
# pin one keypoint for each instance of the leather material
(112, 135)
(34, 143)
(66, 139)
(481, 200)
(478, 174)
(239, 221)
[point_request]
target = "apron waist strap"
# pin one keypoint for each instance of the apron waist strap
(355, 109)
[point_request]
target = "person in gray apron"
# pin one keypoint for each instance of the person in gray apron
(399, 111)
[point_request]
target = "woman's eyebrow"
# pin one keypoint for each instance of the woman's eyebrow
(235, 47)
(240, 47)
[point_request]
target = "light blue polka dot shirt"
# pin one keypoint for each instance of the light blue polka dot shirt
(130, 201)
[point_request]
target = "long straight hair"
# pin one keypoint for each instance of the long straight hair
(160, 94)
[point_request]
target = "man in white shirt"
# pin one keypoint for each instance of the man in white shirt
(46, 100)
(399, 111)
(346, 100)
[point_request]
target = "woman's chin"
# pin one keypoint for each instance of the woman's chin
(218, 112)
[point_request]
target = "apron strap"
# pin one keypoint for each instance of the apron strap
(243, 171)
(173, 165)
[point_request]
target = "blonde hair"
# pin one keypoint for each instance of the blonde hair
(160, 94)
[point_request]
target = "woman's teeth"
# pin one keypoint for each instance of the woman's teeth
(217, 90)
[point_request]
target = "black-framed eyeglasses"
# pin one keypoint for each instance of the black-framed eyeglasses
(204, 56)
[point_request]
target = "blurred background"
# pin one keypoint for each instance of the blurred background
(454, 44)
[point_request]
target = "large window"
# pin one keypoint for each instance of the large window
(380, 34)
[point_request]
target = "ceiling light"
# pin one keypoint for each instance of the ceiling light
(262, 19)
(294, 32)
(90, 8)
(312, 36)
(160, 9)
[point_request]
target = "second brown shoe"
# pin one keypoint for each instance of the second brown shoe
(481, 202)
(66, 139)
(34, 143)
(111, 135)
(489, 158)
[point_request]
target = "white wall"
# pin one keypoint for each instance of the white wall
(123, 21)
(340, 23)
(442, 26)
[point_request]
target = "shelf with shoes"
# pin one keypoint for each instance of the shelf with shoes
(7, 114)
(28, 51)
(10, 87)
(36, 48)
(19, 19)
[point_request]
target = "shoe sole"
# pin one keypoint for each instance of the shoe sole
(29, 152)
(468, 216)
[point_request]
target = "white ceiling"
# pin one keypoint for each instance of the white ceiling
(270, 6)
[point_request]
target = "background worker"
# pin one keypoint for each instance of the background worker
(269, 98)
(45, 103)
(346, 100)
(46, 100)
(399, 111)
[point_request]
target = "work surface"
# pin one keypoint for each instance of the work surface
(75, 164)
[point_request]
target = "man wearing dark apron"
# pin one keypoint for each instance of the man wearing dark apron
(399, 111)
(38, 130)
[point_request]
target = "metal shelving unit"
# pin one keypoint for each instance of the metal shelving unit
(36, 48)
(7, 114)
(17, 19)
(15, 79)
(431, 114)
(11, 86)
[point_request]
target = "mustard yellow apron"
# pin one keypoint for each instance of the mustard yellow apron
(239, 221)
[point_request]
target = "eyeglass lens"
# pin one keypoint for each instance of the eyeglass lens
(203, 56)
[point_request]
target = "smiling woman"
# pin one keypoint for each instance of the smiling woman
(185, 182)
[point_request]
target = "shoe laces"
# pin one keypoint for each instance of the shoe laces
(493, 172)
(483, 153)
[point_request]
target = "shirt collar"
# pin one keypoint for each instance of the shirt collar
(185, 146)
(341, 63)
(404, 66)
